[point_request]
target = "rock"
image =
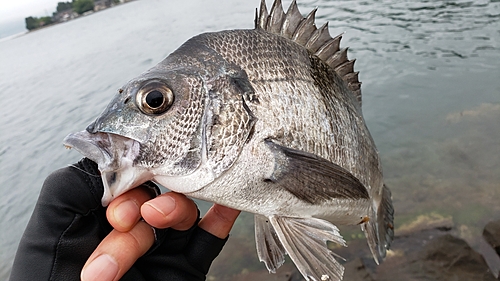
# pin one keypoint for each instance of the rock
(426, 222)
(451, 258)
(491, 234)
(287, 272)
(426, 249)
(356, 270)
(430, 253)
(490, 246)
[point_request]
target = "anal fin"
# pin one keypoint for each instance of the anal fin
(304, 239)
(269, 248)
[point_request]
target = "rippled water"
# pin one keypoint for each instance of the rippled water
(431, 98)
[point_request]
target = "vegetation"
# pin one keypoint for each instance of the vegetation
(61, 14)
(33, 23)
(64, 6)
(82, 6)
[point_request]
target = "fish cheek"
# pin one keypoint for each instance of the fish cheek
(174, 145)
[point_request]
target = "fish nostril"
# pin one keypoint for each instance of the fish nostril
(91, 128)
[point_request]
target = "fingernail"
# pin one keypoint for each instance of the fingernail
(104, 267)
(164, 207)
(127, 213)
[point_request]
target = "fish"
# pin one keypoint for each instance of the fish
(265, 120)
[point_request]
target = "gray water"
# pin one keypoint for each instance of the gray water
(431, 98)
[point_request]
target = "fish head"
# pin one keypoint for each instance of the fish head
(181, 124)
(152, 126)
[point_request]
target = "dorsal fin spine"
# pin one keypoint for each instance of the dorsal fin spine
(261, 18)
(292, 20)
(329, 48)
(305, 29)
(275, 18)
(292, 25)
(352, 77)
(345, 68)
(319, 38)
(337, 58)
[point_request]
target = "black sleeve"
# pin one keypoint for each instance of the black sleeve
(69, 222)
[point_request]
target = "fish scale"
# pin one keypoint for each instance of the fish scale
(266, 121)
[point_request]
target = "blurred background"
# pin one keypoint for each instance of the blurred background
(431, 99)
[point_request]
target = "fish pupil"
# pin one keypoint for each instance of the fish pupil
(155, 99)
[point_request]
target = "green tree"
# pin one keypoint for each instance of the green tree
(63, 6)
(31, 23)
(82, 6)
(44, 21)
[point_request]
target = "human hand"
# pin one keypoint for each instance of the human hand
(170, 210)
(69, 228)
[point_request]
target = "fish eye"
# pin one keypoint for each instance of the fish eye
(154, 98)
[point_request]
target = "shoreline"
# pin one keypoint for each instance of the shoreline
(88, 13)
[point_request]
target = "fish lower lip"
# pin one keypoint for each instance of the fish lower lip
(115, 156)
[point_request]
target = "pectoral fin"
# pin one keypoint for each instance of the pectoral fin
(311, 178)
(304, 239)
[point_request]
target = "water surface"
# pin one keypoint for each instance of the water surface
(431, 98)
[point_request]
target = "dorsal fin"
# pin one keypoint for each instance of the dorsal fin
(292, 25)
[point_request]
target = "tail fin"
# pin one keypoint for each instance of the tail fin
(379, 231)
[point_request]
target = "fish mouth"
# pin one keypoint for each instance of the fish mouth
(115, 156)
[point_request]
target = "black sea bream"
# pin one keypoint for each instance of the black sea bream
(266, 121)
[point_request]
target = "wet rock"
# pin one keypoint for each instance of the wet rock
(425, 249)
(357, 270)
(440, 257)
(491, 234)
(490, 246)
(450, 258)
(422, 223)
(433, 255)
(287, 272)
(482, 110)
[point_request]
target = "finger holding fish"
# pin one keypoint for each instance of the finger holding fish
(110, 261)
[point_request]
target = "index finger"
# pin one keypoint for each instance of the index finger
(219, 220)
(124, 211)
